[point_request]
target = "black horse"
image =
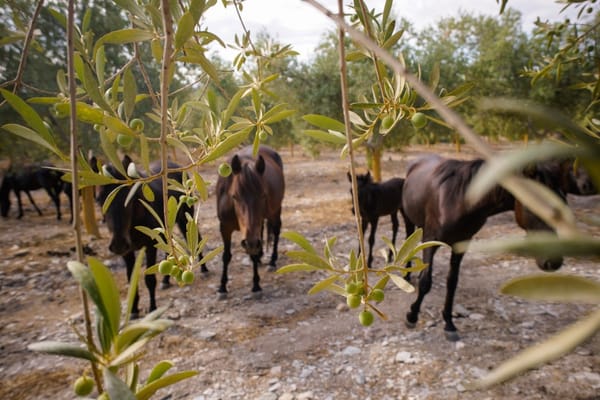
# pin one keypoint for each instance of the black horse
(572, 177)
(376, 199)
(252, 194)
(122, 219)
(433, 198)
(34, 177)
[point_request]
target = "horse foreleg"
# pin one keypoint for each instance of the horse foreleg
(373, 222)
(452, 282)
(409, 228)
(256, 289)
(150, 279)
(226, 259)
(55, 196)
(395, 225)
(129, 259)
(424, 287)
(276, 230)
(32, 203)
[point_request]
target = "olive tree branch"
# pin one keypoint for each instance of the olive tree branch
(75, 182)
(347, 124)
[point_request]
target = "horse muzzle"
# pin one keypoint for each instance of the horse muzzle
(549, 265)
(119, 247)
(252, 247)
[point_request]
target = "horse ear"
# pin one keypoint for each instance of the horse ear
(236, 164)
(260, 165)
(126, 161)
(94, 163)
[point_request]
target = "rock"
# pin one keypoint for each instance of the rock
(275, 370)
(405, 357)
(286, 396)
(351, 351)
(207, 335)
(268, 396)
(476, 316)
(591, 377)
(305, 396)
(460, 311)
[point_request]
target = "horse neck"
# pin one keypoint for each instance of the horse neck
(496, 201)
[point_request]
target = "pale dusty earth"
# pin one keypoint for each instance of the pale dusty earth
(291, 345)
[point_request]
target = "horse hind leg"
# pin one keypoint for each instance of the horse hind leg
(374, 222)
(451, 284)
(409, 228)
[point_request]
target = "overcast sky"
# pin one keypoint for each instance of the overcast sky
(298, 23)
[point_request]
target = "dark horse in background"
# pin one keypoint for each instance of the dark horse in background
(252, 194)
(572, 178)
(34, 177)
(122, 220)
(433, 198)
(376, 199)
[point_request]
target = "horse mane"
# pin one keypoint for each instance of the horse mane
(248, 179)
(460, 172)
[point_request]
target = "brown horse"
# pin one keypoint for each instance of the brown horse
(433, 198)
(252, 194)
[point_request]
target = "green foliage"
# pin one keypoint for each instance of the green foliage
(351, 279)
(116, 347)
(563, 288)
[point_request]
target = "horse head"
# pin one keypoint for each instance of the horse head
(5, 189)
(248, 192)
(529, 221)
(577, 179)
(118, 214)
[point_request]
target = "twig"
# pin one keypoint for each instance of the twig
(164, 106)
(347, 124)
(75, 183)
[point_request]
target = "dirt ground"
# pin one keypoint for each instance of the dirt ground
(289, 345)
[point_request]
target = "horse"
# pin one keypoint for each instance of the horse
(34, 177)
(573, 179)
(433, 199)
(251, 194)
(122, 220)
(376, 199)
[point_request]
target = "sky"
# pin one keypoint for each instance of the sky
(298, 23)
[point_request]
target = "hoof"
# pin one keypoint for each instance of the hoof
(257, 295)
(271, 268)
(134, 315)
(452, 336)
(165, 285)
(410, 325)
(222, 295)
